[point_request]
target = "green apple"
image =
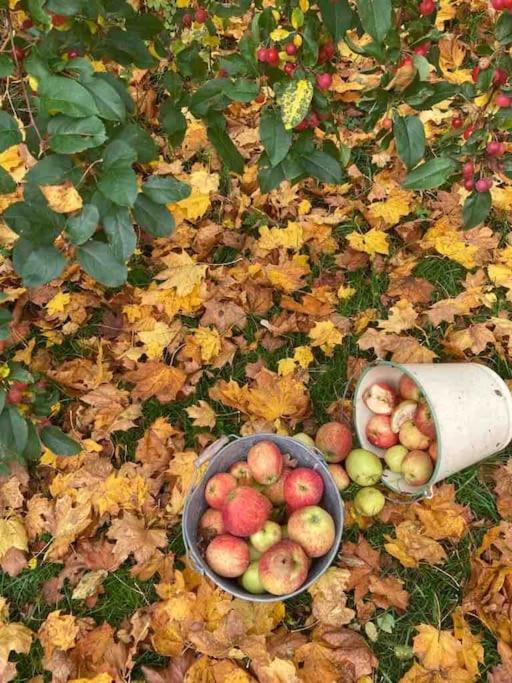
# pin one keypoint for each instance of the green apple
(250, 580)
(253, 553)
(394, 457)
(266, 537)
(363, 467)
(369, 501)
(304, 438)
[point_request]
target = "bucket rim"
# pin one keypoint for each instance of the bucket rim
(198, 561)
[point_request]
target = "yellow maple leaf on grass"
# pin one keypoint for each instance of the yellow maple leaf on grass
(182, 273)
(372, 242)
(14, 637)
(58, 632)
(291, 237)
(325, 335)
(209, 342)
(411, 545)
(392, 209)
(450, 243)
(12, 535)
(202, 415)
(402, 316)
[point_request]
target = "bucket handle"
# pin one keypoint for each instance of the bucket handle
(211, 451)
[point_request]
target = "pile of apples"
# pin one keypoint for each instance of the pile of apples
(264, 523)
(402, 424)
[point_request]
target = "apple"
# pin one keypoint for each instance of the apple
(201, 15)
(245, 511)
(211, 523)
(483, 184)
(408, 389)
(334, 439)
(313, 528)
(379, 432)
(324, 81)
(217, 488)
(432, 450)
(240, 470)
(339, 475)
(404, 412)
(394, 457)
(283, 568)
(411, 437)
(228, 556)
(304, 438)
(251, 581)
(369, 501)
(380, 398)
(275, 492)
(302, 487)
(265, 462)
(417, 468)
(253, 553)
(424, 420)
(363, 467)
(266, 537)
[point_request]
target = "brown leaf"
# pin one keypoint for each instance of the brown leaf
(329, 600)
(174, 672)
(417, 290)
(474, 338)
(156, 379)
(503, 489)
(411, 546)
(132, 537)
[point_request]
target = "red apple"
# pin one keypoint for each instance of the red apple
(240, 470)
(303, 487)
(275, 492)
(265, 538)
(408, 388)
(380, 398)
(265, 462)
(404, 412)
(245, 511)
(228, 556)
(334, 439)
(201, 15)
(411, 437)
(313, 528)
(339, 475)
(283, 568)
(211, 523)
(432, 450)
(424, 420)
(417, 468)
(217, 488)
(379, 432)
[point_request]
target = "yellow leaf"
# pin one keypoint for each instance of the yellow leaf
(100, 678)
(304, 207)
(209, 341)
(501, 198)
(24, 355)
(202, 415)
(372, 242)
(119, 492)
(446, 10)
(58, 303)
(295, 100)
(303, 356)
(14, 638)
(325, 335)
(345, 293)
(11, 161)
(88, 584)
(412, 545)
(393, 209)
(291, 237)
(279, 34)
(286, 366)
(435, 649)
(58, 632)
(450, 243)
(181, 4)
(12, 535)
(182, 273)
(402, 316)
(500, 275)
(156, 340)
(62, 198)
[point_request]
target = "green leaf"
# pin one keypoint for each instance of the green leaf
(36, 11)
(70, 135)
(430, 174)
(52, 169)
(98, 260)
(191, 64)
(121, 235)
(410, 139)
(165, 190)
(13, 431)
(10, 134)
(37, 265)
(322, 166)
(109, 103)
(146, 26)
(118, 180)
(476, 209)
(119, 153)
(504, 28)
(5, 319)
(126, 48)
(337, 17)
(34, 222)
(80, 228)
(209, 96)
(6, 66)
(376, 17)
(32, 449)
(2, 399)
(7, 184)
(275, 138)
(67, 8)
(139, 140)
(242, 90)
(226, 149)
(64, 95)
(152, 217)
(294, 102)
(173, 122)
(58, 442)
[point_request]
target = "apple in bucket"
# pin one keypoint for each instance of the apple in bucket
(283, 568)
(313, 528)
(302, 487)
(228, 555)
(265, 462)
(245, 511)
(218, 487)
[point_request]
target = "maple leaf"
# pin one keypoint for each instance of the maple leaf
(474, 338)
(182, 273)
(441, 517)
(12, 535)
(390, 211)
(71, 519)
(372, 242)
(209, 342)
(329, 599)
(132, 537)
(411, 546)
(14, 637)
(183, 471)
(291, 237)
(120, 492)
(58, 632)
(325, 335)
(402, 316)
(156, 379)
(100, 678)
(503, 489)
(202, 415)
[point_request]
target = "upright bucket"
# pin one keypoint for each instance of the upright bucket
(221, 456)
(471, 407)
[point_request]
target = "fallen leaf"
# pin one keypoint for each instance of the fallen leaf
(156, 379)
(63, 198)
(411, 546)
(202, 415)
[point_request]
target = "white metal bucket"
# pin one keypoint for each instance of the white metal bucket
(471, 406)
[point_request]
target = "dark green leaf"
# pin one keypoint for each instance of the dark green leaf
(242, 90)
(109, 103)
(9, 132)
(118, 180)
(476, 209)
(121, 235)
(34, 222)
(98, 260)
(337, 17)
(58, 442)
(13, 431)
(322, 166)
(119, 86)
(64, 95)
(173, 122)
(7, 184)
(236, 65)
(431, 174)
(36, 11)
(37, 265)
(504, 28)
(119, 153)
(137, 138)
(226, 149)
(376, 17)
(165, 190)
(146, 26)
(410, 139)
(152, 217)
(69, 135)
(127, 48)
(32, 449)
(2, 399)
(191, 64)
(52, 169)
(19, 373)
(209, 96)
(80, 228)
(67, 8)
(6, 66)
(275, 138)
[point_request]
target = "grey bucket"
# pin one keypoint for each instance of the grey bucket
(222, 454)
